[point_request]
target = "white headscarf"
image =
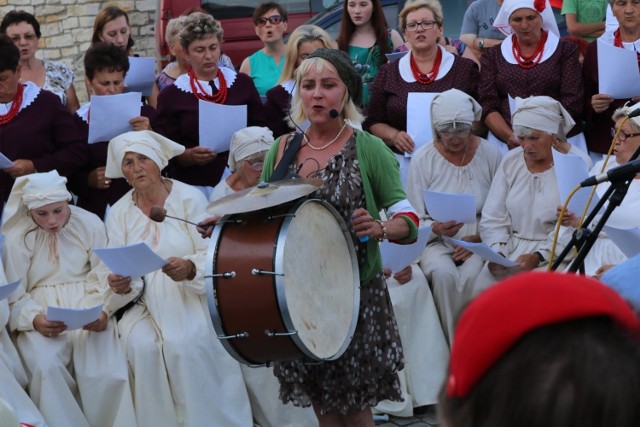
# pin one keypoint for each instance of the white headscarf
(541, 6)
(153, 145)
(628, 109)
(31, 192)
(542, 113)
(247, 142)
(454, 106)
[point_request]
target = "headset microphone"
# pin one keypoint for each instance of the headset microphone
(333, 113)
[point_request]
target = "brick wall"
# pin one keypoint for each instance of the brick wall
(67, 26)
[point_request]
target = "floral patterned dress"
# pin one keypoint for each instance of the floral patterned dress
(366, 373)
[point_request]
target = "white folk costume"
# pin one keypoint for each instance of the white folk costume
(452, 285)
(78, 378)
(183, 376)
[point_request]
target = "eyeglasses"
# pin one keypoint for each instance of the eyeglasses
(622, 136)
(450, 135)
(257, 165)
(275, 19)
(425, 25)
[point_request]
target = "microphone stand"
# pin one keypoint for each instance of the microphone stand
(583, 239)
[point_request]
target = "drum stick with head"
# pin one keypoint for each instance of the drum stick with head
(159, 214)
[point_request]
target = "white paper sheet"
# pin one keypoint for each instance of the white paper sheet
(6, 290)
(618, 74)
(5, 162)
(419, 118)
(110, 115)
(141, 75)
(74, 318)
(628, 241)
(484, 251)
(570, 171)
(131, 261)
(445, 207)
(218, 122)
(394, 56)
(396, 257)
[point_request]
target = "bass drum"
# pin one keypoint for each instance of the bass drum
(283, 283)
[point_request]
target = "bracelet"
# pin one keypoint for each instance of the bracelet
(385, 236)
(540, 257)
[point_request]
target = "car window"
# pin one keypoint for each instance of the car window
(244, 8)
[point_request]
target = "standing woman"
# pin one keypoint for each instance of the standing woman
(265, 65)
(531, 61)
(303, 40)
(24, 30)
(360, 179)
(79, 377)
(364, 35)
(178, 104)
(111, 25)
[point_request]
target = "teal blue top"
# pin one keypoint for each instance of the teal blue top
(264, 71)
(367, 61)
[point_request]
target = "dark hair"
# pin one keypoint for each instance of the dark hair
(378, 21)
(581, 43)
(9, 54)
(18, 16)
(105, 56)
(579, 373)
(105, 16)
(263, 8)
(193, 10)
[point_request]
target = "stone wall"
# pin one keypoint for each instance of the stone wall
(67, 26)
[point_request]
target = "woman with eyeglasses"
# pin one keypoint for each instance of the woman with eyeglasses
(531, 61)
(428, 67)
(265, 65)
(365, 36)
(457, 162)
(24, 30)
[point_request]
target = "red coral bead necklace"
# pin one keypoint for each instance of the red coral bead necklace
(15, 106)
(430, 77)
(535, 58)
(200, 93)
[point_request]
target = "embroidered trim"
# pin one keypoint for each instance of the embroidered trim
(183, 84)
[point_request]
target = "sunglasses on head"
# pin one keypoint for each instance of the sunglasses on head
(275, 19)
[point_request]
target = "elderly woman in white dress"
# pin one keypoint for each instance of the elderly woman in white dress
(519, 215)
(457, 162)
(78, 377)
(182, 374)
(246, 156)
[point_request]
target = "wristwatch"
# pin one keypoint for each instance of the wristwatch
(540, 257)
(480, 44)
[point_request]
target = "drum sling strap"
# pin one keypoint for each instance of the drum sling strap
(282, 169)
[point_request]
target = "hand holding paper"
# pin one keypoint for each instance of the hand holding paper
(484, 251)
(74, 318)
(131, 261)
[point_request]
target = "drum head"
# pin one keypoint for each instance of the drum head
(321, 281)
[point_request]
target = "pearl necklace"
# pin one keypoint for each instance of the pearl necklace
(313, 147)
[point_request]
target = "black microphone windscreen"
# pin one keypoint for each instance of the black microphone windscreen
(634, 113)
(334, 113)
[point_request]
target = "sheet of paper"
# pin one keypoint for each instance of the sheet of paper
(218, 122)
(628, 241)
(74, 318)
(131, 261)
(484, 251)
(6, 290)
(141, 75)
(396, 257)
(618, 74)
(109, 115)
(512, 104)
(394, 56)
(419, 118)
(5, 162)
(445, 207)
(570, 171)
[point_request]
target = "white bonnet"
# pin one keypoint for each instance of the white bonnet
(542, 113)
(153, 145)
(454, 106)
(247, 142)
(541, 6)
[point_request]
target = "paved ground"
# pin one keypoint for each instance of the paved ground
(424, 416)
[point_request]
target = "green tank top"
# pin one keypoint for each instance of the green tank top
(264, 71)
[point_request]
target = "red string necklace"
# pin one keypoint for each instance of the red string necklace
(535, 58)
(15, 106)
(430, 77)
(200, 93)
(617, 42)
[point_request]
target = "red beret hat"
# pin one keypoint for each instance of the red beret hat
(504, 313)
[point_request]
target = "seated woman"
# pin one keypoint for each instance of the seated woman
(105, 67)
(519, 216)
(167, 333)
(246, 156)
(456, 162)
(37, 119)
(178, 105)
(24, 29)
(265, 65)
(49, 246)
(303, 40)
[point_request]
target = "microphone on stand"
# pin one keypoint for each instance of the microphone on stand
(634, 113)
(621, 173)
